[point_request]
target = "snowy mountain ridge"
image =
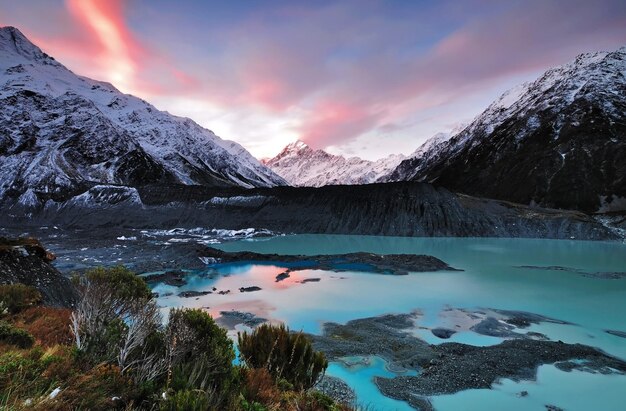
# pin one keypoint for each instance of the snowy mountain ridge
(565, 129)
(300, 165)
(60, 132)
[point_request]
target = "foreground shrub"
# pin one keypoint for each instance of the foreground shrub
(126, 284)
(188, 400)
(17, 297)
(31, 374)
(114, 319)
(309, 401)
(259, 388)
(93, 390)
(201, 357)
(15, 336)
(285, 355)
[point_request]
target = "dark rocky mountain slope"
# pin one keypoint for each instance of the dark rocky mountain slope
(398, 209)
(559, 142)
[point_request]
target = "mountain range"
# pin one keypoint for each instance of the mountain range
(79, 152)
(300, 165)
(61, 133)
(559, 142)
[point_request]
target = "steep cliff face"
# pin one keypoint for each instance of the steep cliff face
(26, 261)
(60, 133)
(559, 142)
(398, 209)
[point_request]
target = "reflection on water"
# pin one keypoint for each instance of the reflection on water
(492, 279)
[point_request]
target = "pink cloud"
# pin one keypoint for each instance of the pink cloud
(343, 68)
(331, 121)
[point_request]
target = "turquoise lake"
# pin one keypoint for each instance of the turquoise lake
(505, 274)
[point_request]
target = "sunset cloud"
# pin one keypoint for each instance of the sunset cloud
(354, 74)
(117, 51)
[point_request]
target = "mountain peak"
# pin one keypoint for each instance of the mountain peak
(300, 165)
(14, 42)
(297, 146)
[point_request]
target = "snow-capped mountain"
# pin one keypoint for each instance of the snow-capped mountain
(61, 133)
(559, 141)
(300, 165)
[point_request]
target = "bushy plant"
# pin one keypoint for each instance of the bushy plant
(126, 284)
(285, 355)
(114, 318)
(309, 401)
(92, 390)
(15, 336)
(201, 357)
(259, 387)
(29, 374)
(188, 400)
(17, 297)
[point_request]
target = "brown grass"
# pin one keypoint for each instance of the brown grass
(49, 326)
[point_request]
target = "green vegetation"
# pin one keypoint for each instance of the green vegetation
(113, 351)
(17, 297)
(286, 356)
(15, 336)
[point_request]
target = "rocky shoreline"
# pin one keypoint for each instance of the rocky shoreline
(394, 264)
(448, 368)
(336, 389)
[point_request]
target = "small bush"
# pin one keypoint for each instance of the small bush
(187, 400)
(309, 401)
(114, 317)
(285, 355)
(15, 336)
(244, 405)
(93, 390)
(29, 374)
(259, 387)
(15, 298)
(201, 357)
(127, 284)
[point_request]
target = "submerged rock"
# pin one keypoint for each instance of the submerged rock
(230, 319)
(494, 328)
(460, 367)
(190, 294)
(249, 289)
(282, 276)
(443, 333)
(617, 333)
(600, 275)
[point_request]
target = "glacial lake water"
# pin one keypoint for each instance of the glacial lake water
(498, 274)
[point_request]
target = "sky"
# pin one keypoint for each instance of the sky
(354, 77)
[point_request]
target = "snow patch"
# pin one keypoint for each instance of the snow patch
(242, 201)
